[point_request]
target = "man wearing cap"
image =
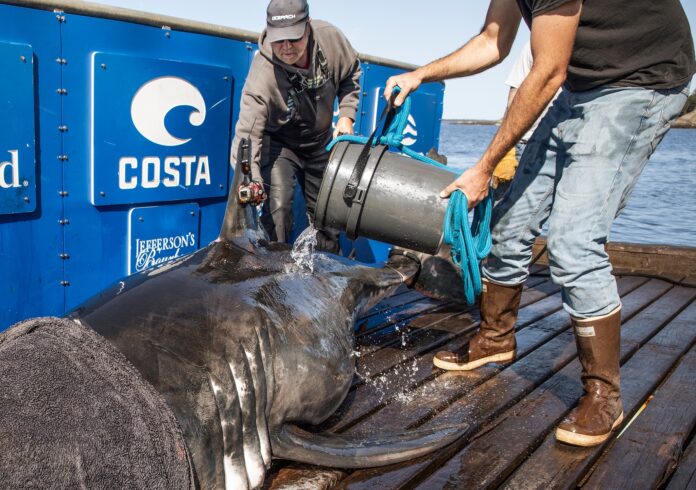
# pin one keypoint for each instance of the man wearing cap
(625, 67)
(287, 109)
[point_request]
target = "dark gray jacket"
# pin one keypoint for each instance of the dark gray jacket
(296, 113)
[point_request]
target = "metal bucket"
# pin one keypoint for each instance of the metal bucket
(397, 200)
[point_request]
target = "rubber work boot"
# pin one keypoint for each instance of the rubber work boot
(599, 412)
(495, 340)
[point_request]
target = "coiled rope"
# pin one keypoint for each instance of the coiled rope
(468, 248)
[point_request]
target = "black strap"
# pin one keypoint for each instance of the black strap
(352, 187)
(356, 205)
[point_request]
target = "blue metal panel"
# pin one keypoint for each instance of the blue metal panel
(17, 153)
(421, 134)
(160, 234)
(162, 126)
(96, 238)
(423, 122)
(31, 242)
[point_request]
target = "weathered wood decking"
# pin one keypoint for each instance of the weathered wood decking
(510, 411)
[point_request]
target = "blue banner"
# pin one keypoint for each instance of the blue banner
(160, 234)
(17, 153)
(160, 130)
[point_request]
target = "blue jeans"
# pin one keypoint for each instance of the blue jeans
(577, 172)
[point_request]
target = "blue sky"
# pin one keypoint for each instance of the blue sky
(412, 31)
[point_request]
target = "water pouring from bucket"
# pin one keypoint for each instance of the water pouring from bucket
(303, 249)
(393, 196)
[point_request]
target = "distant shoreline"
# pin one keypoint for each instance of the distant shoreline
(681, 123)
(472, 122)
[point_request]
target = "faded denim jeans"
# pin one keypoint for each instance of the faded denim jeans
(577, 172)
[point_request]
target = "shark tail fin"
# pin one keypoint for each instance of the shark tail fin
(352, 451)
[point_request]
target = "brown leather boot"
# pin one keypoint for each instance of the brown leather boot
(495, 340)
(599, 412)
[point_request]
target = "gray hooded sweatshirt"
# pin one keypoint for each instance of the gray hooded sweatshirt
(298, 114)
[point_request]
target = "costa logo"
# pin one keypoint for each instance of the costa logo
(149, 108)
(153, 101)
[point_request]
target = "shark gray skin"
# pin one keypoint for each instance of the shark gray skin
(244, 346)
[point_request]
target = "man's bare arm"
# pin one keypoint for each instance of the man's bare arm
(485, 50)
(552, 38)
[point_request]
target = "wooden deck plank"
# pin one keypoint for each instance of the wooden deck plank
(397, 372)
(685, 476)
(428, 324)
(387, 311)
(402, 368)
(648, 260)
(555, 465)
(507, 441)
(647, 452)
(534, 312)
(400, 298)
(486, 400)
(398, 324)
(410, 304)
(545, 357)
(437, 396)
(441, 389)
(395, 316)
(406, 334)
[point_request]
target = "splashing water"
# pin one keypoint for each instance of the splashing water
(303, 250)
(396, 385)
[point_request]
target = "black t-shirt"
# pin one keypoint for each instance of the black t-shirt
(643, 43)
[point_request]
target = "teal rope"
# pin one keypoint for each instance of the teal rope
(467, 249)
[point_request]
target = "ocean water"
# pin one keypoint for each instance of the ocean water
(662, 207)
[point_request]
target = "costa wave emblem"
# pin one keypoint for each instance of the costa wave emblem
(410, 132)
(153, 101)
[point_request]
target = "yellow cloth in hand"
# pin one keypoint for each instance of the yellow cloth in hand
(505, 170)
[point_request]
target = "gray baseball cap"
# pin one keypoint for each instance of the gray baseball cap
(286, 19)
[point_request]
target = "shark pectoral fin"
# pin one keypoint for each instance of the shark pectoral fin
(438, 277)
(351, 451)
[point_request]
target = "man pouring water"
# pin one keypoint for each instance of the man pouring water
(302, 68)
(625, 67)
